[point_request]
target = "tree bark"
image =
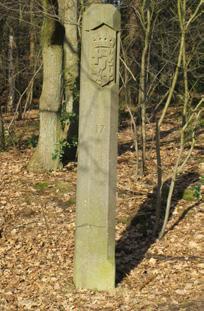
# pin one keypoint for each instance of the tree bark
(47, 155)
(29, 96)
(2, 137)
(70, 52)
(11, 78)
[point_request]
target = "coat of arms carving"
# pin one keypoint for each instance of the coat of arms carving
(103, 55)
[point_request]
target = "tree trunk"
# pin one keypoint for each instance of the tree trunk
(68, 11)
(47, 155)
(70, 52)
(142, 87)
(11, 78)
(2, 137)
(29, 95)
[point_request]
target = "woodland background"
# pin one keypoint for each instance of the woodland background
(160, 160)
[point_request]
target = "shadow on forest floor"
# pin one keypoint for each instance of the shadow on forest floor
(123, 147)
(137, 238)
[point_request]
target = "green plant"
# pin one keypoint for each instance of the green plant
(201, 122)
(62, 147)
(59, 151)
(67, 118)
(197, 188)
(33, 140)
(71, 201)
(189, 194)
(197, 192)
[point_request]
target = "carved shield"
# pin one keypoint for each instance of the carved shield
(103, 56)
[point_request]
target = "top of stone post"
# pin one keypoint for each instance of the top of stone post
(98, 14)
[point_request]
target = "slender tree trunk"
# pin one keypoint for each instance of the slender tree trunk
(180, 164)
(47, 154)
(70, 52)
(32, 57)
(11, 77)
(32, 36)
(142, 90)
(2, 137)
(68, 11)
(159, 180)
(29, 93)
(160, 121)
(186, 118)
(19, 105)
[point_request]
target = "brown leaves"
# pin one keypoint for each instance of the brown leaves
(37, 215)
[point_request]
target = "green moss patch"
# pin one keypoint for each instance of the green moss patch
(63, 186)
(124, 220)
(71, 201)
(189, 194)
(201, 123)
(41, 186)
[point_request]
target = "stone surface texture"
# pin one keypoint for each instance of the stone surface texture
(94, 263)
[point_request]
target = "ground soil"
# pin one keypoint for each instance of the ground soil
(37, 215)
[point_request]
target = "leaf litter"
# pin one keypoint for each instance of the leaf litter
(37, 215)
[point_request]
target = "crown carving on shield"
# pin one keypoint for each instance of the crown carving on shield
(103, 40)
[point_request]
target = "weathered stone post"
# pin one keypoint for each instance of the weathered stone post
(94, 263)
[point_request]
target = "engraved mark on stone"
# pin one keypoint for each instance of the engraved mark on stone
(103, 56)
(100, 128)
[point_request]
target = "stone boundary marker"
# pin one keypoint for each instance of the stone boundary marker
(94, 261)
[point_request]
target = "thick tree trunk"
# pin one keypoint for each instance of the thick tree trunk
(47, 154)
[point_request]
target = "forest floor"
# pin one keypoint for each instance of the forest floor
(37, 215)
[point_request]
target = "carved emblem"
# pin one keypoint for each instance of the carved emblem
(103, 56)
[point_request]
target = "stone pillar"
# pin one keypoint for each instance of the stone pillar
(94, 262)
